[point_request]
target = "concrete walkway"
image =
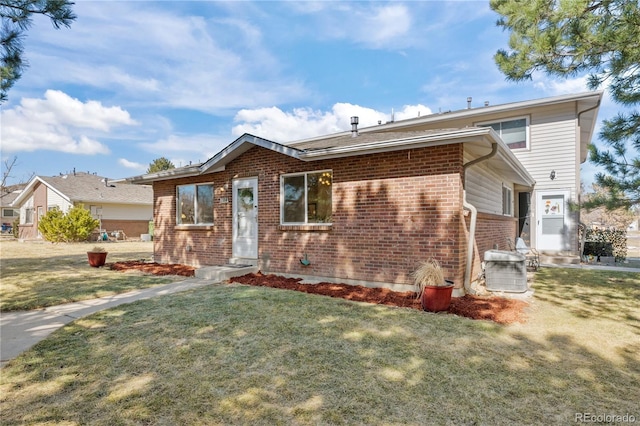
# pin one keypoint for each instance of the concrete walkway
(20, 330)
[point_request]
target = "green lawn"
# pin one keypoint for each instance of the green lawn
(234, 354)
(37, 275)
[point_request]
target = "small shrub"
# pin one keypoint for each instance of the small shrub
(75, 225)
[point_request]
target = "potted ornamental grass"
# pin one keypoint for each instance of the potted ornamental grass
(434, 291)
(97, 256)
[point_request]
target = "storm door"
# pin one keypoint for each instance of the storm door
(245, 218)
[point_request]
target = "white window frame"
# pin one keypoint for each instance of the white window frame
(195, 203)
(14, 212)
(507, 200)
(306, 210)
(28, 216)
(527, 126)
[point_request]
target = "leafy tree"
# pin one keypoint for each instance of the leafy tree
(565, 38)
(75, 225)
(16, 20)
(619, 218)
(160, 164)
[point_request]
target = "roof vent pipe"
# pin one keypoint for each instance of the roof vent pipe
(354, 127)
(469, 99)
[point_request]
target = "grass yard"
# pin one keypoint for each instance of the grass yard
(234, 354)
(36, 275)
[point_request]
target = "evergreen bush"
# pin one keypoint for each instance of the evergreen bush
(75, 225)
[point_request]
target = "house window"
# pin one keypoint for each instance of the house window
(194, 204)
(306, 198)
(9, 213)
(28, 215)
(513, 132)
(507, 201)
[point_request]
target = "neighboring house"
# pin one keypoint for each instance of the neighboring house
(119, 207)
(8, 212)
(371, 204)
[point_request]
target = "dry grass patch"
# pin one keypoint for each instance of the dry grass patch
(38, 274)
(236, 354)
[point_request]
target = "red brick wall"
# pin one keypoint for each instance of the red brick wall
(390, 211)
(492, 231)
(131, 228)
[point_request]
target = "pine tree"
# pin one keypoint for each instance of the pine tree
(160, 164)
(595, 36)
(17, 18)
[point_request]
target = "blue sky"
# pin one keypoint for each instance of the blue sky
(132, 81)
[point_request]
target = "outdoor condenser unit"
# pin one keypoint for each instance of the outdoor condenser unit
(505, 271)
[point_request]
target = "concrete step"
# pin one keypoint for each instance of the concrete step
(557, 259)
(224, 272)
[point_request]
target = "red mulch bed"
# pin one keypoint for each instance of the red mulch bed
(492, 308)
(154, 268)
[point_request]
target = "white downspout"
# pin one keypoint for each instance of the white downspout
(474, 216)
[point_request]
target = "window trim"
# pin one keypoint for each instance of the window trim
(13, 212)
(26, 215)
(306, 223)
(196, 225)
(509, 201)
(527, 126)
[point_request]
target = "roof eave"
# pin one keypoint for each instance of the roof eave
(443, 138)
(594, 96)
(242, 145)
(149, 178)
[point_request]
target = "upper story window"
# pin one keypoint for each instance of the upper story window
(194, 204)
(306, 198)
(514, 132)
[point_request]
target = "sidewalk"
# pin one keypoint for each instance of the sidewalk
(20, 330)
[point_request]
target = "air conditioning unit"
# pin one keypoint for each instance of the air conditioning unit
(505, 271)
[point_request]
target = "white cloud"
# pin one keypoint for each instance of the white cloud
(355, 23)
(131, 164)
(60, 123)
(301, 123)
(162, 57)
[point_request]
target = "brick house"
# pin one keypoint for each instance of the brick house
(119, 207)
(371, 204)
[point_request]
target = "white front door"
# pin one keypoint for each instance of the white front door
(245, 218)
(553, 221)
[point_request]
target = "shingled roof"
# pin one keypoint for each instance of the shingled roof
(89, 188)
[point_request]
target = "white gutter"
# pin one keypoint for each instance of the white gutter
(474, 216)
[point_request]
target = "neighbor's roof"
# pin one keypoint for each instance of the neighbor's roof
(477, 140)
(90, 188)
(11, 193)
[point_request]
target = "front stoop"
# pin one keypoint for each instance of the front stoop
(557, 259)
(222, 273)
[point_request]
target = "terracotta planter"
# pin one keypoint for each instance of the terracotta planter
(97, 259)
(437, 298)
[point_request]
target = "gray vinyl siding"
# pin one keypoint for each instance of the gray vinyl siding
(552, 146)
(54, 199)
(484, 189)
